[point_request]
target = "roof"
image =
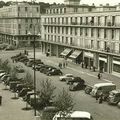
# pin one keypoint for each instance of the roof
(104, 84)
(76, 114)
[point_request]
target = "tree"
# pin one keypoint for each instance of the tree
(46, 93)
(5, 65)
(28, 80)
(64, 101)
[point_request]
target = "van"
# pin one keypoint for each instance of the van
(74, 115)
(105, 88)
(114, 97)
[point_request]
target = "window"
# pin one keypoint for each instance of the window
(86, 20)
(92, 43)
(113, 32)
(62, 39)
(66, 20)
(98, 20)
(37, 9)
(62, 29)
(71, 30)
(113, 20)
(86, 32)
(66, 40)
(62, 20)
(19, 26)
(98, 44)
(58, 38)
(59, 30)
(71, 41)
(26, 9)
(61, 10)
(66, 30)
(26, 32)
(64, 10)
(98, 33)
(105, 33)
(81, 31)
(18, 9)
(80, 20)
(92, 32)
(75, 31)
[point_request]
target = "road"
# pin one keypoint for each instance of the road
(82, 101)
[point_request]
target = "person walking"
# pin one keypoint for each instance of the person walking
(63, 64)
(99, 75)
(101, 98)
(96, 96)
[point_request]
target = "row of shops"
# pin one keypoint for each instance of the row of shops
(102, 61)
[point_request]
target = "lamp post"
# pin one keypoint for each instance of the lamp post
(34, 74)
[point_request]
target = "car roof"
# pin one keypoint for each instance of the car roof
(76, 114)
(103, 84)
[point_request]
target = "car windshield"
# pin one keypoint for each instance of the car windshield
(69, 75)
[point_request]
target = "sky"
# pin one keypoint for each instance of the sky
(96, 2)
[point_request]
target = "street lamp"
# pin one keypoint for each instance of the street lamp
(34, 79)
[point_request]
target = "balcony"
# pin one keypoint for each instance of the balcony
(87, 25)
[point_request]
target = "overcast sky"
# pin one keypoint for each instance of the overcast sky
(96, 2)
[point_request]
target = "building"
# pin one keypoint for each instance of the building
(17, 21)
(83, 33)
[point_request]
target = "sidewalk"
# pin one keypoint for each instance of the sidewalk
(53, 60)
(11, 109)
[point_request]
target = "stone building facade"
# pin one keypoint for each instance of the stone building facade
(87, 34)
(16, 21)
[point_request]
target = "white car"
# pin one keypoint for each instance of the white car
(74, 115)
(66, 77)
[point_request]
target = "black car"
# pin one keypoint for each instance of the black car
(54, 72)
(77, 86)
(23, 92)
(75, 79)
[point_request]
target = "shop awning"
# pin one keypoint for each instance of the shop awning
(66, 52)
(75, 54)
(88, 54)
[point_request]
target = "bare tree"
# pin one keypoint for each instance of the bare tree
(46, 92)
(64, 101)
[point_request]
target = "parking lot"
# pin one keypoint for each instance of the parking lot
(82, 101)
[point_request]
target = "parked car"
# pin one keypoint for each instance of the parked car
(88, 89)
(54, 72)
(118, 105)
(114, 97)
(13, 85)
(20, 86)
(10, 47)
(74, 79)
(23, 92)
(73, 115)
(77, 85)
(66, 77)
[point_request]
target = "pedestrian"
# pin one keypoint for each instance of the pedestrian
(0, 100)
(99, 75)
(82, 65)
(101, 98)
(96, 96)
(93, 68)
(63, 64)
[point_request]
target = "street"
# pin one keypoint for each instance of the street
(82, 101)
